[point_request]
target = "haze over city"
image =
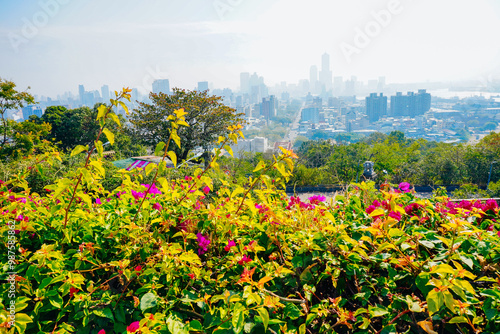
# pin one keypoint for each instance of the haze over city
(55, 45)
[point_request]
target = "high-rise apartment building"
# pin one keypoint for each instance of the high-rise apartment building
(32, 110)
(161, 86)
(410, 104)
(376, 106)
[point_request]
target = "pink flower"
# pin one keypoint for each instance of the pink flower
(404, 186)
(395, 215)
(498, 233)
(206, 190)
(102, 331)
(230, 244)
(138, 269)
(370, 209)
(203, 243)
(133, 327)
(188, 178)
(244, 260)
(98, 201)
(316, 199)
(157, 206)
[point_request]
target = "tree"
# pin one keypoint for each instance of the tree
(207, 117)
(10, 98)
(27, 137)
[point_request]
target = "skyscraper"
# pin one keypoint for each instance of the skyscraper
(245, 82)
(81, 92)
(325, 76)
(411, 104)
(105, 93)
(162, 85)
(202, 86)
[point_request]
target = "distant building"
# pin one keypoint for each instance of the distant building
(313, 79)
(376, 106)
(245, 82)
(310, 114)
(325, 75)
(202, 86)
(161, 86)
(105, 93)
(32, 110)
(411, 104)
(81, 93)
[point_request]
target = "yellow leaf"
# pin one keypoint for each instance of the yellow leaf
(101, 111)
(79, 149)
(176, 139)
(183, 123)
(229, 150)
(109, 135)
(263, 281)
(124, 106)
(259, 166)
(173, 157)
(377, 212)
(427, 327)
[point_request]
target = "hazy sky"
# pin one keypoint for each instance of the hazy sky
(54, 45)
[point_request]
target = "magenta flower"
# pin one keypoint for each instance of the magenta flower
(244, 260)
(404, 187)
(395, 215)
(157, 206)
(206, 190)
(137, 195)
(153, 189)
(102, 331)
(98, 201)
(370, 209)
(188, 178)
(133, 327)
(203, 243)
(230, 244)
(316, 199)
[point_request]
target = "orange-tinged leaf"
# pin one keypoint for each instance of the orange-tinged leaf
(263, 281)
(247, 275)
(427, 327)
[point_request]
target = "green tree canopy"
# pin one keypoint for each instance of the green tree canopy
(207, 117)
(10, 98)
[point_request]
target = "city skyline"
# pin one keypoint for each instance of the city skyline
(56, 45)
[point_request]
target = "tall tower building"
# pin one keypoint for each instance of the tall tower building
(162, 85)
(325, 76)
(245, 82)
(81, 92)
(105, 93)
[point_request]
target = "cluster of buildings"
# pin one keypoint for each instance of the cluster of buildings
(332, 105)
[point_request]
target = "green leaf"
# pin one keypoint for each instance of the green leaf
(195, 325)
(22, 319)
(148, 301)
(458, 320)
(264, 315)
(78, 149)
(109, 135)
(434, 301)
(377, 311)
(172, 157)
(159, 148)
(291, 311)
(302, 329)
(238, 319)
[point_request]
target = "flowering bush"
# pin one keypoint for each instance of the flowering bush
(162, 258)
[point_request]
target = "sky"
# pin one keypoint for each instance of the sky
(55, 45)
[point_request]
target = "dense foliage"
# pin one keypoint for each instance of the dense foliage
(416, 161)
(174, 255)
